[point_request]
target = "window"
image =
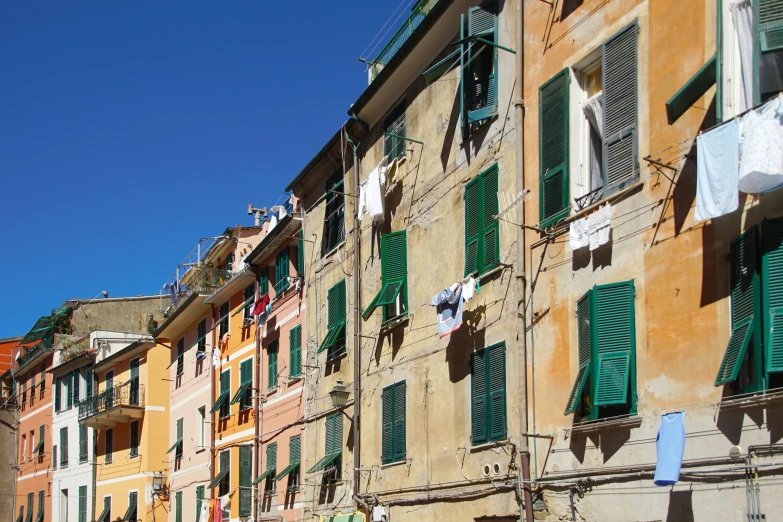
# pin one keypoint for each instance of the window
(177, 446)
(249, 296)
(82, 503)
(300, 254)
(24, 394)
(222, 402)
(230, 261)
(767, 50)
(334, 219)
(263, 280)
(109, 445)
(482, 233)
(87, 383)
(225, 473)
(83, 442)
(39, 448)
(488, 395)
(105, 515)
(43, 381)
(271, 354)
(30, 506)
(281, 270)
(331, 463)
(108, 395)
(295, 347)
(32, 444)
(133, 500)
(63, 447)
(57, 392)
(134, 381)
(39, 517)
(180, 359)
(64, 505)
(393, 295)
(223, 320)
(394, 133)
(393, 423)
(178, 506)
(134, 439)
(54, 456)
(199, 497)
(202, 335)
(479, 66)
(605, 384)
(76, 376)
(244, 395)
(32, 389)
(271, 468)
(292, 470)
(334, 342)
(245, 478)
(753, 359)
(202, 427)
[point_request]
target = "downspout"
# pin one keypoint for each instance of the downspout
(257, 428)
(357, 322)
(213, 458)
(521, 282)
(17, 467)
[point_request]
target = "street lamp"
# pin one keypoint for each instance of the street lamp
(339, 394)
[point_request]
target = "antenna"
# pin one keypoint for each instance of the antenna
(258, 212)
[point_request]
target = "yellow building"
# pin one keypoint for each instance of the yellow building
(129, 411)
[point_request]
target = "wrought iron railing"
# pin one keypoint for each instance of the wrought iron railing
(588, 199)
(420, 12)
(129, 394)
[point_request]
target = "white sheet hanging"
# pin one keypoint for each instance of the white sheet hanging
(761, 168)
(742, 16)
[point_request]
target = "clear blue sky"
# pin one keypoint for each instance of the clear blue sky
(131, 129)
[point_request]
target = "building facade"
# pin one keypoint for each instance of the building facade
(129, 411)
(8, 422)
(279, 265)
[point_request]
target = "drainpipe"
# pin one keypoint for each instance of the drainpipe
(521, 277)
(213, 456)
(16, 467)
(257, 428)
(357, 322)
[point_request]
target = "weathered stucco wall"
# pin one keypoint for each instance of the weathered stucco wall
(122, 314)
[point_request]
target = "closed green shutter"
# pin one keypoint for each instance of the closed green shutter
(554, 203)
(478, 392)
(83, 442)
(387, 424)
(772, 278)
(225, 388)
(199, 498)
(334, 434)
(399, 421)
(41, 440)
(178, 507)
(394, 272)
(693, 89)
(482, 233)
(768, 15)
(615, 342)
(30, 506)
(272, 365)
(745, 298)
(88, 383)
(40, 505)
(57, 392)
(393, 423)
(480, 71)
(180, 431)
(281, 270)
(620, 126)
(472, 228)
(63, 447)
(583, 333)
(336, 323)
(245, 472)
(82, 503)
(300, 254)
(263, 280)
(496, 381)
(295, 344)
(295, 449)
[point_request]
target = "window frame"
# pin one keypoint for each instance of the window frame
(295, 352)
(224, 321)
(334, 212)
(395, 123)
(108, 446)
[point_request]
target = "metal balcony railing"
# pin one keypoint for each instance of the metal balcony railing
(203, 280)
(35, 351)
(128, 394)
(420, 12)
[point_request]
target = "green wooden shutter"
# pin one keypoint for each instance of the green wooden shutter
(554, 202)
(472, 226)
(82, 503)
(263, 280)
(271, 456)
(329, 435)
(300, 254)
(583, 332)
(41, 438)
(272, 366)
(225, 387)
(281, 270)
(490, 230)
(772, 279)
(337, 441)
(295, 344)
(76, 378)
(387, 423)
(40, 504)
(57, 394)
(295, 449)
(199, 498)
(620, 147)
(745, 294)
(463, 78)
(481, 85)
(768, 17)
(83, 442)
(245, 478)
(179, 428)
(63, 447)
(399, 421)
(88, 382)
(478, 394)
(441, 67)
(615, 342)
(496, 383)
(178, 515)
(693, 89)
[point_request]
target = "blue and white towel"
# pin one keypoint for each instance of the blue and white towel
(449, 307)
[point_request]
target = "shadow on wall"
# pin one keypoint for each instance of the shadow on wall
(463, 342)
(680, 506)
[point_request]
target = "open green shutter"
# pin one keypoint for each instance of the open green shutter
(41, 438)
(478, 395)
(481, 86)
(272, 367)
(271, 456)
(399, 421)
(57, 392)
(393, 257)
(300, 253)
(772, 278)
(82, 503)
(245, 477)
(199, 498)
(329, 435)
(63, 447)
(472, 226)
(615, 337)
(387, 423)
(490, 230)
(553, 149)
(744, 282)
(295, 449)
(496, 381)
(693, 89)
(441, 68)
(769, 26)
(583, 333)
(620, 147)
(463, 76)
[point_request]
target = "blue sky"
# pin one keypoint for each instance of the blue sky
(132, 129)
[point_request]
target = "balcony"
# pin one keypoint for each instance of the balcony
(35, 354)
(420, 12)
(116, 405)
(200, 280)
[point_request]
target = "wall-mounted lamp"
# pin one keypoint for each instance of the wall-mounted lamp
(339, 394)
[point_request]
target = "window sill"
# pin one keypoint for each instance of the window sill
(201, 449)
(333, 250)
(293, 379)
(394, 464)
(753, 400)
(631, 421)
(608, 199)
(332, 359)
(271, 391)
(393, 323)
(488, 445)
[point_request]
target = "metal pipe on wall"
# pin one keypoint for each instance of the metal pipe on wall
(521, 278)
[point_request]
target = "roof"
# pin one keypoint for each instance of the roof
(319, 155)
(124, 352)
(282, 233)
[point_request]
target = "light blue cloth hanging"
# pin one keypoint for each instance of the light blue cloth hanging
(449, 307)
(670, 445)
(717, 171)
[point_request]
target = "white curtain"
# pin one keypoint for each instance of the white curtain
(594, 111)
(742, 14)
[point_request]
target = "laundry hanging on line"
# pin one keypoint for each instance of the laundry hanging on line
(599, 225)
(260, 305)
(577, 234)
(761, 149)
(670, 446)
(717, 171)
(372, 190)
(448, 303)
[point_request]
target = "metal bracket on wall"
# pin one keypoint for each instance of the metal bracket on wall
(392, 135)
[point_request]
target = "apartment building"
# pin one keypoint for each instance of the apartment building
(279, 263)
(8, 421)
